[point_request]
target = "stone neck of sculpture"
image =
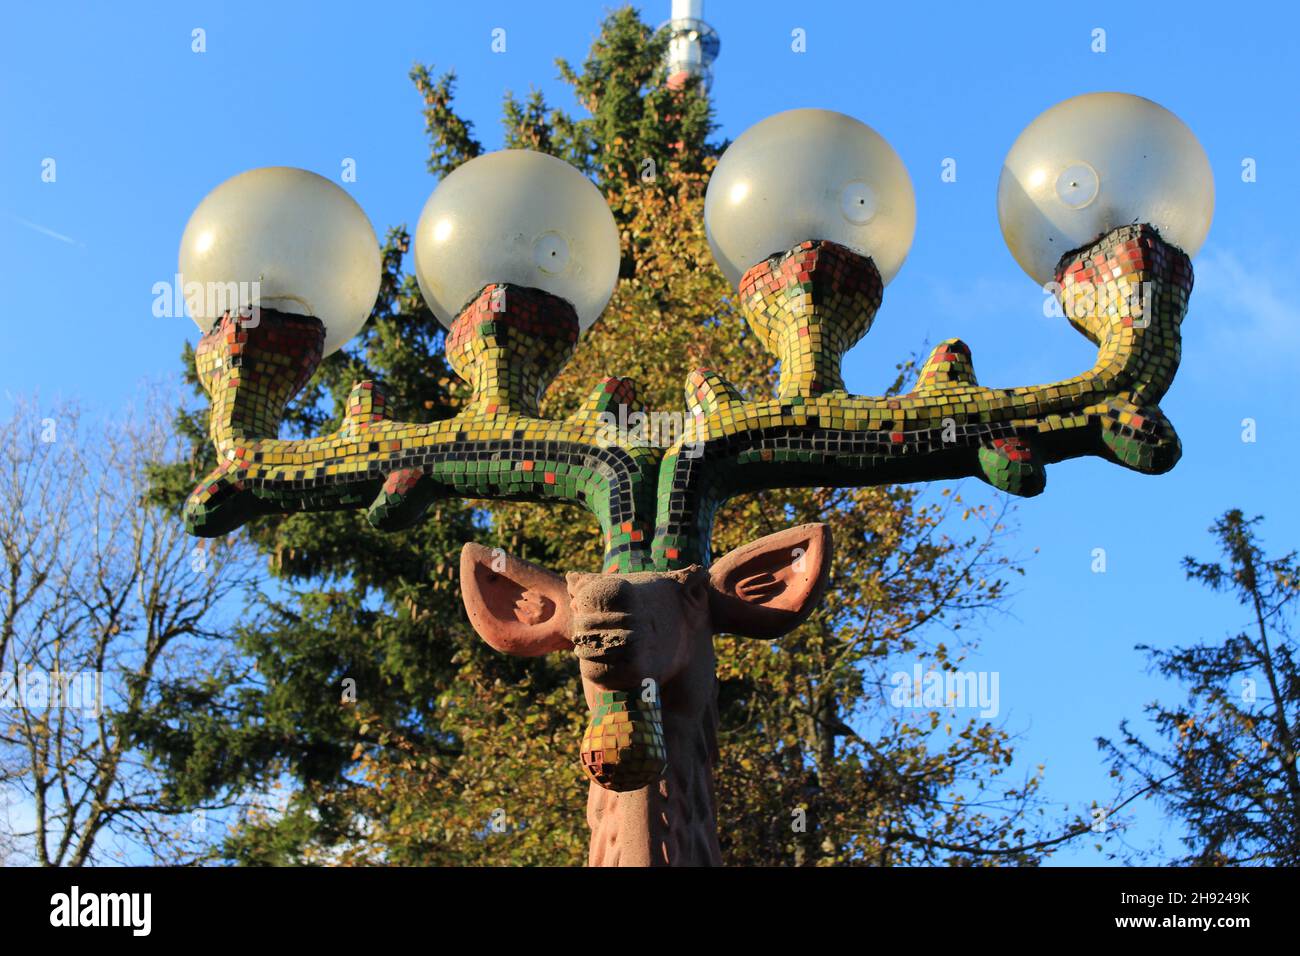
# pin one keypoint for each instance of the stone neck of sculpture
(672, 822)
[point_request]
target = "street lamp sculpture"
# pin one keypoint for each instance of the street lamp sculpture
(809, 213)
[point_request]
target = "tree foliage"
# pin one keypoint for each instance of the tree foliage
(1224, 765)
(104, 603)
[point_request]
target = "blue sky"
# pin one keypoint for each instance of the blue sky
(140, 128)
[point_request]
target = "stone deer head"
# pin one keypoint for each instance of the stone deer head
(644, 646)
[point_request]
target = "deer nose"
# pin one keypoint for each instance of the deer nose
(603, 623)
(602, 594)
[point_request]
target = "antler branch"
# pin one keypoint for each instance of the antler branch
(1127, 292)
(508, 344)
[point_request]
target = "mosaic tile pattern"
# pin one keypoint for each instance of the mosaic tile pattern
(251, 368)
(808, 307)
(1127, 292)
(508, 343)
(623, 746)
(948, 426)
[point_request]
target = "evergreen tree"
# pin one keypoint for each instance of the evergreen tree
(1225, 766)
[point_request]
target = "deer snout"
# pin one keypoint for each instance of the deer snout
(602, 635)
(605, 625)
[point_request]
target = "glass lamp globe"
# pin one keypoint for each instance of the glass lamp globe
(1096, 162)
(521, 217)
(288, 240)
(809, 174)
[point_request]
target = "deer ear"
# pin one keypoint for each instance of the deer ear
(769, 587)
(514, 605)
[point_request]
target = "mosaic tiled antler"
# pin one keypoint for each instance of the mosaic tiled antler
(1127, 292)
(508, 344)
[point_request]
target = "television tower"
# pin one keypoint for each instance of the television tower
(694, 44)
